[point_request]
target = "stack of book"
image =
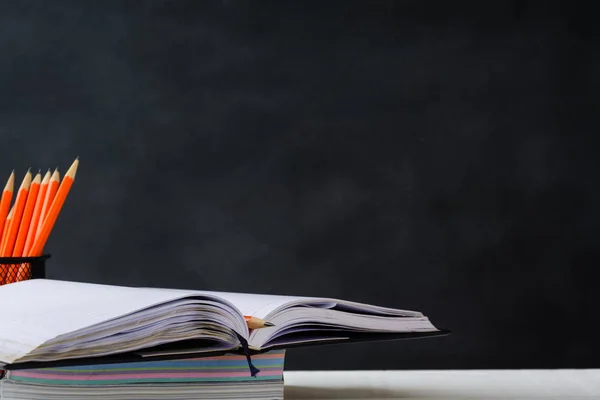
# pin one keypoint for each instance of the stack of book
(72, 340)
(222, 377)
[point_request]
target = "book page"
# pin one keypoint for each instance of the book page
(38, 310)
(260, 305)
(266, 305)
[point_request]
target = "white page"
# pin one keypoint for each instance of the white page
(267, 306)
(260, 305)
(38, 310)
(263, 305)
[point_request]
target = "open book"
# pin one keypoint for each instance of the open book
(48, 321)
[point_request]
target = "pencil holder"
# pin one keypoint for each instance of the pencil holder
(15, 269)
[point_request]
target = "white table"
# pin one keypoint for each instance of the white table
(466, 384)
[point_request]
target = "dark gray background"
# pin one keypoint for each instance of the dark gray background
(435, 156)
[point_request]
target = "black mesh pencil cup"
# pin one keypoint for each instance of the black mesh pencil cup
(16, 269)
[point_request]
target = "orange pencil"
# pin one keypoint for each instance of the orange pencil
(257, 323)
(15, 222)
(11, 235)
(7, 194)
(34, 189)
(50, 193)
(6, 225)
(24, 226)
(50, 218)
(37, 212)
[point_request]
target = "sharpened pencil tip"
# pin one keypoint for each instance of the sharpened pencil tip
(269, 324)
(26, 181)
(46, 178)
(73, 169)
(10, 184)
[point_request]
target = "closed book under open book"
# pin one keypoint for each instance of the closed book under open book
(69, 323)
(222, 377)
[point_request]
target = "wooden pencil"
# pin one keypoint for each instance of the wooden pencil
(256, 323)
(6, 225)
(34, 190)
(37, 212)
(24, 228)
(11, 235)
(5, 203)
(50, 194)
(54, 211)
(15, 222)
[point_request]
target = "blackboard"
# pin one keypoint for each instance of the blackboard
(435, 156)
